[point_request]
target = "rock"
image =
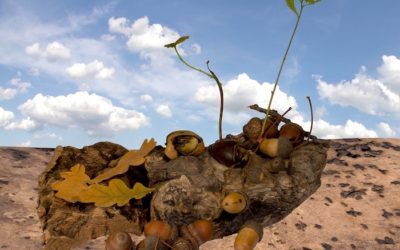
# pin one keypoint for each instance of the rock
(67, 225)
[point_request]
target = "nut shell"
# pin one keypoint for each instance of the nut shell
(235, 202)
(119, 241)
(293, 131)
(202, 230)
(226, 152)
(183, 142)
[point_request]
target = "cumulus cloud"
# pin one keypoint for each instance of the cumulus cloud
(95, 68)
(239, 93)
(48, 135)
(54, 51)
(386, 130)
(21, 85)
(143, 37)
(5, 117)
(25, 124)
(95, 114)
(164, 110)
(369, 95)
(390, 72)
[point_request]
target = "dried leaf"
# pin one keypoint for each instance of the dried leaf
(131, 158)
(115, 193)
(75, 182)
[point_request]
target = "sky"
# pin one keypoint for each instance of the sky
(74, 73)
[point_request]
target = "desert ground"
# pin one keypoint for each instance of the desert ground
(356, 207)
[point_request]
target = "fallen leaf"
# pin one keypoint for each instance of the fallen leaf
(131, 158)
(115, 193)
(75, 182)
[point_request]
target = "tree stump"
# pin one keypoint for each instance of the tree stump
(186, 189)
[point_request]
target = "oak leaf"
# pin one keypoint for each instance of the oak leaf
(116, 192)
(74, 183)
(131, 158)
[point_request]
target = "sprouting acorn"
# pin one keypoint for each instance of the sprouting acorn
(183, 142)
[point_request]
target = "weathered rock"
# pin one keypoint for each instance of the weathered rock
(65, 224)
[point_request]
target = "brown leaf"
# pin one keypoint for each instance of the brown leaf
(75, 182)
(131, 158)
(115, 193)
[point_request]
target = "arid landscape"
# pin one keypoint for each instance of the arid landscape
(356, 207)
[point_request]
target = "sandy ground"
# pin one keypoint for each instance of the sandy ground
(356, 207)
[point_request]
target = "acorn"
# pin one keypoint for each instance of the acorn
(152, 243)
(183, 142)
(160, 229)
(248, 237)
(197, 232)
(274, 147)
(293, 131)
(119, 241)
(253, 128)
(226, 152)
(235, 202)
(183, 244)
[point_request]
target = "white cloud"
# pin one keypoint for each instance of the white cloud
(7, 94)
(95, 68)
(146, 98)
(364, 93)
(93, 113)
(21, 85)
(25, 124)
(325, 130)
(386, 130)
(107, 37)
(390, 72)
(143, 38)
(5, 117)
(239, 93)
(164, 110)
(196, 48)
(54, 51)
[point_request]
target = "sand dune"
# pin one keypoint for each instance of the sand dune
(356, 207)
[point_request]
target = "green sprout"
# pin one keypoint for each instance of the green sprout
(291, 4)
(211, 75)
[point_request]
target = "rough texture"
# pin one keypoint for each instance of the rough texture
(67, 224)
(355, 207)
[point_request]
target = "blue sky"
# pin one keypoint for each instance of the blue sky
(78, 72)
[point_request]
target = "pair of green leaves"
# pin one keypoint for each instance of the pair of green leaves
(292, 6)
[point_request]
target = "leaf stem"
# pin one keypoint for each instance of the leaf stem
(190, 66)
(221, 106)
(280, 70)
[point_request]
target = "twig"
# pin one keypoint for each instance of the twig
(312, 116)
(272, 113)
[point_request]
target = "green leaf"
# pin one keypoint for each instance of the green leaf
(292, 6)
(311, 2)
(179, 41)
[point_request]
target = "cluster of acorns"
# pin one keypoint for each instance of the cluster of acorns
(231, 153)
(163, 236)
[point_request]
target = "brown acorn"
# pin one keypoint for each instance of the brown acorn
(293, 131)
(248, 237)
(197, 232)
(275, 147)
(160, 229)
(235, 202)
(152, 243)
(253, 128)
(183, 142)
(182, 244)
(271, 129)
(119, 241)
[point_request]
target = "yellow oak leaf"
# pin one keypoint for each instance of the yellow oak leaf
(115, 193)
(75, 181)
(131, 158)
